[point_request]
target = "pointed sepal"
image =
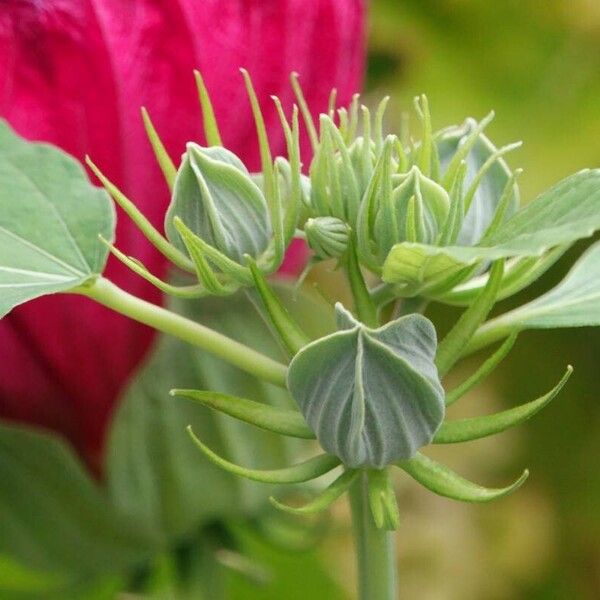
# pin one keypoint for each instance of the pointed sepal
(304, 471)
(271, 418)
(443, 481)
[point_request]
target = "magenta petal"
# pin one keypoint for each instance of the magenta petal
(75, 74)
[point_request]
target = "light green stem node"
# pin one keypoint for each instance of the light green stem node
(161, 319)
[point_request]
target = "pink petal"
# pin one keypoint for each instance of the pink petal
(75, 74)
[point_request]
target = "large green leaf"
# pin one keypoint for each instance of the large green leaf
(156, 474)
(50, 218)
(371, 396)
(565, 213)
(57, 527)
(574, 302)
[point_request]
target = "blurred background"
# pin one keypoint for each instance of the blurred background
(537, 64)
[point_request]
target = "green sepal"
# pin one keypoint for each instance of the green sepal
(289, 331)
(199, 251)
(278, 420)
(164, 160)
(150, 232)
(325, 499)
(442, 481)
(304, 471)
(482, 372)
(464, 430)
(448, 352)
(187, 291)
(211, 128)
(382, 500)
(269, 173)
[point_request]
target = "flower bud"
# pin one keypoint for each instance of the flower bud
(371, 396)
(216, 198)
(334, 188)
(415, 211)
(327, 236)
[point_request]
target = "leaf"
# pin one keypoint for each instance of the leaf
(370, 395)
(575, 302)
(55, 519)
(464, 430)
(444, 482)
(155, 473)
(50, 218)
(565, 213)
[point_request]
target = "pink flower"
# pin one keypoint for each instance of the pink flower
(75, 74)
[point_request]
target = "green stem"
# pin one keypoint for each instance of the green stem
(161, 319)
(365, 308)
(375, 548)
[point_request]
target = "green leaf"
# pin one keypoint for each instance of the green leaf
(55, 519)
(370, 395)
(50, 218)
(464, 430)
(575, 302)
(278, 420)
(444, 482)
(299, 473)
(325, 499)
(565, 213)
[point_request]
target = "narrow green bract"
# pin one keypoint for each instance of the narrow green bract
(372, 396)
(50, 219)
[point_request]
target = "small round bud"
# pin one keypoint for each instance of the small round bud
(215, 197)
(327, 236)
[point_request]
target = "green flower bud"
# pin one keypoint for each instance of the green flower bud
(334, 189)
(415, 211)
(371, 396)
(327, 236)
(216, 198)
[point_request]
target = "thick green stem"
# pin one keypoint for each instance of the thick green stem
(375, 548)
(161, 319)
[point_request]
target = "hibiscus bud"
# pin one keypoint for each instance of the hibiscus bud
(216, 198)
(414, 211)
(327, 236)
